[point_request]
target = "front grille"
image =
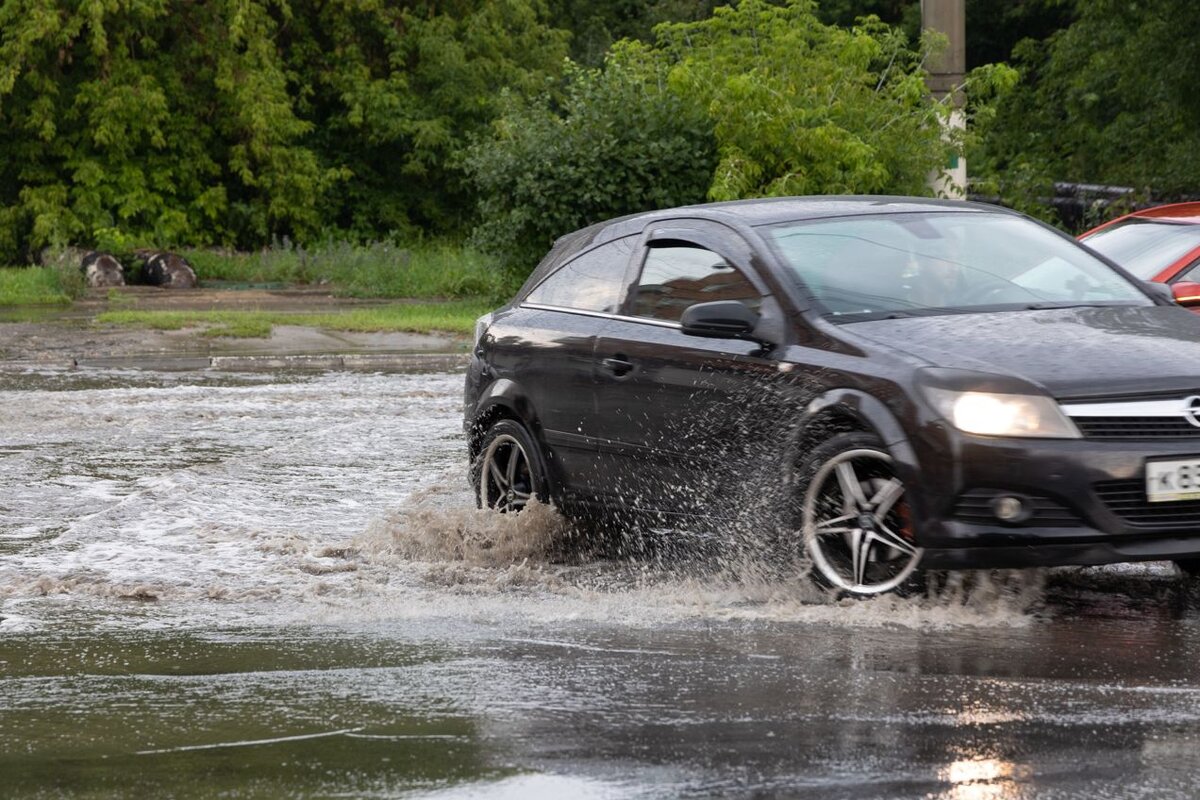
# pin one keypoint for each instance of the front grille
(1136, 428)
(1127, 499)
(975, 506)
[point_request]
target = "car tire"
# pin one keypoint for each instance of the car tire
(508, 471)
(854, 521)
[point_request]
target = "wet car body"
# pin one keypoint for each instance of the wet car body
(633, 413)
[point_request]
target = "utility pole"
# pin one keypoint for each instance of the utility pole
(946, 72)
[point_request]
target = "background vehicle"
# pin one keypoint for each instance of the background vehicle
(885, 382)
(1156, 244)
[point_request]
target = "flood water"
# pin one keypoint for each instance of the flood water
(276, 585)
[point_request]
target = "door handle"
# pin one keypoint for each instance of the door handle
(618, 365)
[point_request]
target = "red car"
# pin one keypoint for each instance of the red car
(1156, 244)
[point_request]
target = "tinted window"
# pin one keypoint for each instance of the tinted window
(590, 282)
(1191, 273)
(882, 264)
(1145, 248)
(676, 277)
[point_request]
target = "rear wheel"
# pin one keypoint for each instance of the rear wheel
(507, 473)
(855, 519)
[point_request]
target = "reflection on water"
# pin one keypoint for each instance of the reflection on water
(465, 710)
(984, 779)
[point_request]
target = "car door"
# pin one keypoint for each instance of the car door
(547, 347)
(679, 416)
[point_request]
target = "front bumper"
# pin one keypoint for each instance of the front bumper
(1075, 476)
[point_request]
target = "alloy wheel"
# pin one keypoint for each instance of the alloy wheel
(856, 525)
(505, 479)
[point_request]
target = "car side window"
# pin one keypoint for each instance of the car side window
(590, 282)
(676, 276)
(1191, 273)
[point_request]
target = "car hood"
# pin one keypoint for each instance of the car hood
(1072, 352)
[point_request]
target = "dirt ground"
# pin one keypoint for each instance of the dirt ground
(66, 336)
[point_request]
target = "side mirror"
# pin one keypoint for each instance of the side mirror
(1186, 293)
(720, 319)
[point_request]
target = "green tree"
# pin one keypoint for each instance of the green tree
(596, 25)
(616, 141)
(801, 107)
(760, 99)
(993, 28)
(163, 119)
(1108, 100)
(238, 120)
(398, 91)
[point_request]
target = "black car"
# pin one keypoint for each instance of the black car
(893, 382)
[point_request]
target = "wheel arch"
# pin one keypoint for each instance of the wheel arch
(503, 399)
(843, 410)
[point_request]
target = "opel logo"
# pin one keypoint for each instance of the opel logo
(1191, 410)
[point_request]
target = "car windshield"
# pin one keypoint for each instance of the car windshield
(898, 264)
(1143, 247)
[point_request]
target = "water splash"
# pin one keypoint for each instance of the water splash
(343, 497)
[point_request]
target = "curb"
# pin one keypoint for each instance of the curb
(399, 362)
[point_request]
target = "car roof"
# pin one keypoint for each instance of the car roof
(754, 212)
(1175, 212)
(769, 210)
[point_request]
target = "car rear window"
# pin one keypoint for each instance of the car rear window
(592, 281)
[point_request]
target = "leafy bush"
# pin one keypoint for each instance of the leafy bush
(617, 141)
(1109, 100)
(233, 122)
(758, 100)
(800, 107)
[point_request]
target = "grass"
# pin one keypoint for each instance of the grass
(33, 286)
(451, 317)
(459, 284)
(380, 269)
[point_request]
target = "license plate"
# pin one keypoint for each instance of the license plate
(1173, 480)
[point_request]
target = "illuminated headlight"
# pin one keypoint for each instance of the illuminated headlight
(994, 414)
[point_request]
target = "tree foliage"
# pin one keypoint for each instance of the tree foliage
(616, 141)
(789, 104)
(239, 121)
(1108, 100)
(596, 26)
(801, 107)
(236, 120)
(993, 28)
(401, 91)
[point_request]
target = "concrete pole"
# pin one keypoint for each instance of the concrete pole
(946, 72)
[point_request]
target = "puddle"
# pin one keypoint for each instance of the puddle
(278, 585)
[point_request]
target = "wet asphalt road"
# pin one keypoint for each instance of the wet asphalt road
(247, 586)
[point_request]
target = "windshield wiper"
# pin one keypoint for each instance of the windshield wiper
(1076, 304)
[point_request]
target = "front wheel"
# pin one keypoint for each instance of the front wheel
(507, 473)
(855, 519)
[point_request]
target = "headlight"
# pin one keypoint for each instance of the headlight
(996, 414)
